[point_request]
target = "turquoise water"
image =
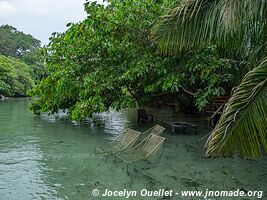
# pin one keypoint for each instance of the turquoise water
(46, 157)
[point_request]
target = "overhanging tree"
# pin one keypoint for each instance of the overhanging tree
(104, 61)
(107, 61)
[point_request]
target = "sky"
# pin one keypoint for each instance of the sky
(41, 18)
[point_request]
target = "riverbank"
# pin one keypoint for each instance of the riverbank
(2, 97)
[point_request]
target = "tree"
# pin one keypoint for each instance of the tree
(15, 43)
(15, 78)
(239, 29)
(107, 61)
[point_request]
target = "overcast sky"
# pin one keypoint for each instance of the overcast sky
(40, 18)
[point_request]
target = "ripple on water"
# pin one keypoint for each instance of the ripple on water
(50, 158)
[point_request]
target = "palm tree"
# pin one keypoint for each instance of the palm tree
(239, 27)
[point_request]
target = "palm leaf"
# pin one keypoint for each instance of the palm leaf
(228, 23)
(242, 128)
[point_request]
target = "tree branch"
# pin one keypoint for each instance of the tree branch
(187, 91)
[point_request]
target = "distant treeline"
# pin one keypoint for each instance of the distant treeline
(20, 65)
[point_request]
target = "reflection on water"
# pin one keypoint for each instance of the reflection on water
(23, 175)
(48, 157)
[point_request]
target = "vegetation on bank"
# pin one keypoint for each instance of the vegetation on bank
(20, 65)
(15, 77)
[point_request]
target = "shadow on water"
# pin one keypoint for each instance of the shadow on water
(48, 157)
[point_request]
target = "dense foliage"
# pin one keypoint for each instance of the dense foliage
(239, 29)
(108, 61)
(207, 75)
(20, 62)
(104, 61)
(15, 77)
(15, 43)
(25, 47)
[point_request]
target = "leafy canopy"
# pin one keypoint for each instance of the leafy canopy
(15, 77)
(104, 61)
(15, 43)
(108, 61)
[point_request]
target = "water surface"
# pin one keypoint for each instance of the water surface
(46, 157)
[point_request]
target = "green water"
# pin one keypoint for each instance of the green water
(47, 158)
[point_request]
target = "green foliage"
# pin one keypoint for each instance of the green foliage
(14, 43)
(35, 61)
(105, 61)
(208, 75)
(239, 29)
(15, 78)
(108, 61)
(242, 127)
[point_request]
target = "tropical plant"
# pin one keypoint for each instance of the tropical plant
(242, 128)
(239, 29)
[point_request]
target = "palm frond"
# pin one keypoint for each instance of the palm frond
(228, 23)
(242, 128)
